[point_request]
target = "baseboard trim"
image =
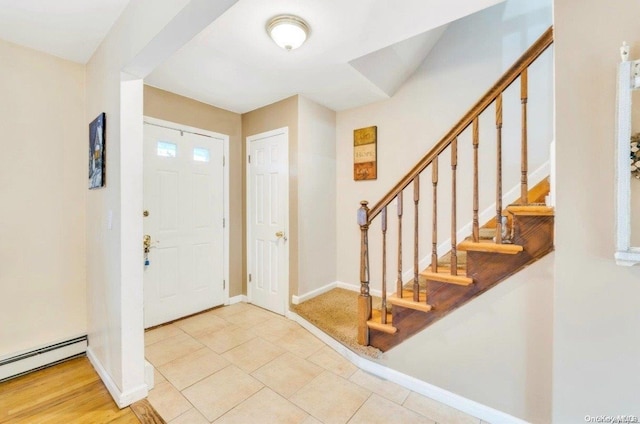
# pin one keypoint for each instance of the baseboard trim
(356, 288)
(149, 377)
(237, 299)
(122, 399)
(486, 413)
(42, 357)
(296, 300)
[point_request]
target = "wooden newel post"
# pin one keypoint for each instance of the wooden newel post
(364, 300)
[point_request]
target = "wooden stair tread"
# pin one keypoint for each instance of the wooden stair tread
(376, 324)
(509, 249)
(444, 276)
(531, 210)
(407, 301)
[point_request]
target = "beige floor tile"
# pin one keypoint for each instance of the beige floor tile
(437, 411)
(253, 354)
(274, 328)
(227, 311)
(378, 410)
(311, 420)
(192, 416)
(226, 339)
(330, 398)
(168, 401)
(161, 333)
(157, 376)
(332, 361)
(287, 373)
(218, 393)
(300, 342)
(185, 371)
(172, 348)
(203, 323)
(251, 317)
(266, 407)
(384, 388)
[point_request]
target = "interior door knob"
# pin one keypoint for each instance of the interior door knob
(280, 235)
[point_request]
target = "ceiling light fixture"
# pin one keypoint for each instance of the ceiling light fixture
(288, 31)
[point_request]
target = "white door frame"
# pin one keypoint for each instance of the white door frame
(278, 131)
(225, 183)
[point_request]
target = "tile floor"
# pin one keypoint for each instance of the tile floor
(242, 364)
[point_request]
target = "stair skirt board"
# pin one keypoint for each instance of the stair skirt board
(43, 357)
(486, 215)
(485, 413)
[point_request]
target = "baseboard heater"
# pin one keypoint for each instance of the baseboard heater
(42, 357)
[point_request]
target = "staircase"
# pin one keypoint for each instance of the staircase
(520, 234)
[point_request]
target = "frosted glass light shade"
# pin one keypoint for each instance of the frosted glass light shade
(287, 31)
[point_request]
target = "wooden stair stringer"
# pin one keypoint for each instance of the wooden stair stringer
(534, 233)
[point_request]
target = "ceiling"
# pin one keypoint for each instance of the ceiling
(358, 52)
(70, 29)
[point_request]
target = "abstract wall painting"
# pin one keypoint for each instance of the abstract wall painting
(97, 164)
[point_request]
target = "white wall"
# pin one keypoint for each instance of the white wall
(635, 183)
(497, 349)
(316, 195)
(43, 183)
(114, 301)
(147, 32)
(469, 57)
(596, 337)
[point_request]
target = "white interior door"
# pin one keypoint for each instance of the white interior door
(268, 220)
(184, 198)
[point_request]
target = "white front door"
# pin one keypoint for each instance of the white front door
(268, 219)
(184, 208)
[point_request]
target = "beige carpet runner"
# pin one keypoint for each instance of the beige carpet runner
(335, 313)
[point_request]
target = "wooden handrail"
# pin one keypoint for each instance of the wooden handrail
(450, 141)
(532, 53)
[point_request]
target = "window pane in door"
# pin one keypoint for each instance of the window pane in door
(166, 149)
(201, 155)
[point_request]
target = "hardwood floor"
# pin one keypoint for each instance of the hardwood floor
(70, 392)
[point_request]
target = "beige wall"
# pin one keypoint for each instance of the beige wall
(316, 195)
(43, 181)
(443, 88)
(277, 115)
(596, 310)
(174, 108)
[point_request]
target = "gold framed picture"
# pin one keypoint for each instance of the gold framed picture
(365, 153)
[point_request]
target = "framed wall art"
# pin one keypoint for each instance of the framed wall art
(97, 164)
(365, 166)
